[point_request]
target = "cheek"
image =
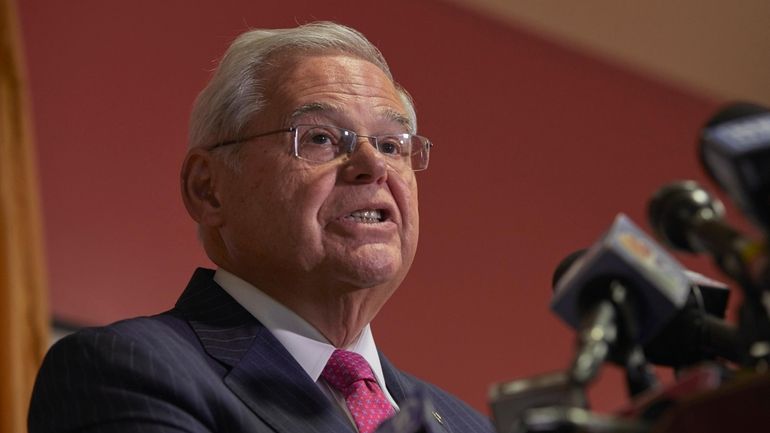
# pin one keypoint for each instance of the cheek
(404, 190)
(301, 233)
(414, 224)
(302, 197)
(413, 217)
(267, 205)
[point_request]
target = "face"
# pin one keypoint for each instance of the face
(293, 223)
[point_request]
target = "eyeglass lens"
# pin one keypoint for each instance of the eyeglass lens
(324, 143)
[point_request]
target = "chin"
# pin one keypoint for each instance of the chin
(366, 265)
(372, 273)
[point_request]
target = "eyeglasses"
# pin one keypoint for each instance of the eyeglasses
(321, 143)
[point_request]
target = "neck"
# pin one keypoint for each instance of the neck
(340, 319)
(338, 310)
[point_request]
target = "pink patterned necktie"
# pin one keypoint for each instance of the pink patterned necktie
(350, 374)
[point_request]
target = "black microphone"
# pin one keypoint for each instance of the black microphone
(696, 333)
(624, 254)
(565, 264)
(619, 295)
(708, 294)
(735, 151)
(687, 217)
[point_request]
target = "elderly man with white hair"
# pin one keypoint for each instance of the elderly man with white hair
(301, 176)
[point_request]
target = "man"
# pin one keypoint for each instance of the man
(300, 175)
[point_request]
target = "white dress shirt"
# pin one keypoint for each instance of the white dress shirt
(304, 342)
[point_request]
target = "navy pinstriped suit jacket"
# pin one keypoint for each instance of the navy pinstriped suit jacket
(207, 365)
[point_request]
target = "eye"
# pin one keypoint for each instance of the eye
(391, 146)
(319, 143)
(319, 138)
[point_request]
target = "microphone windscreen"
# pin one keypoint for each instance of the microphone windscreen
(565, 264)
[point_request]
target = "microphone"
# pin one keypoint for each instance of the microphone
(565, 264)
(687, 217)
(619, 295)
(698, 332)
(735, 151)
(549, 403)
(695, 333)
(511, 401)
(626, 255)
(707, 294)
(693, 336)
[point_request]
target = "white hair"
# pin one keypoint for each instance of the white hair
(235, 93)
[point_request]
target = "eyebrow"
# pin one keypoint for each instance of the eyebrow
(313, 107)
(320, 107)
(399, 118)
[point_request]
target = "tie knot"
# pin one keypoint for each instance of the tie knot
(345, 368)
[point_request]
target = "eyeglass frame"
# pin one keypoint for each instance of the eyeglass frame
(350, 148)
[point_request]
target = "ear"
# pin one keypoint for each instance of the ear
(199, 188)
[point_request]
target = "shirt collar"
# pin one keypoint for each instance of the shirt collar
(303, 341)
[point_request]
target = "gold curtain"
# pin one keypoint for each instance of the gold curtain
(24, 320)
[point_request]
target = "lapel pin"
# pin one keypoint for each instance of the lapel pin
(438, 417)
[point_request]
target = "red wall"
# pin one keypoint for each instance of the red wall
(537, 148)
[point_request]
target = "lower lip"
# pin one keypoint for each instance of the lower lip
(350, 226)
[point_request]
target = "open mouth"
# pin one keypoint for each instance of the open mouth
(368, 216)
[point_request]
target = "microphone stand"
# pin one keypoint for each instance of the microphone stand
(610, 332)
(747, 264)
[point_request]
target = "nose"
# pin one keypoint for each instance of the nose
(365, 164)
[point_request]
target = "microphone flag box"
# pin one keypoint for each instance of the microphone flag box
(714, 294)
(737, 155)
(657, 284)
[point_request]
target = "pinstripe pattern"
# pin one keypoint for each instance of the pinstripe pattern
(205, 366)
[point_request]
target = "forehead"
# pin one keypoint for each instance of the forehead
(335, 87)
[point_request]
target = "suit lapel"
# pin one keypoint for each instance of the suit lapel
(397, 387)
(402, 388)
(261, 372)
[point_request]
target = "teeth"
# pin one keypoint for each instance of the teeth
(368, 216)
